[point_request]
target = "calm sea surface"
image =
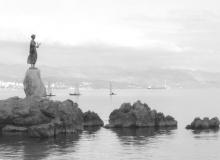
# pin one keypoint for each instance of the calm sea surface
(117, 144)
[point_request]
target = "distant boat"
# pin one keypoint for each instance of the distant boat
(49, 90)
(76, 91)
(110, 89)
(158, 87)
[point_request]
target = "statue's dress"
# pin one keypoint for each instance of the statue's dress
(32, 58)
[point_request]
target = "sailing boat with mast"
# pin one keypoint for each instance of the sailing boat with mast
(76, 91)
(49, 90)
(110, 89)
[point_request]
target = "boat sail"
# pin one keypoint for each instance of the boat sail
(110, 89)
(49, 90)
(76, 91)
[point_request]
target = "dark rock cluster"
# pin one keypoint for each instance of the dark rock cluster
(40, 117)
(204, 123)
(139, 115)
(92, 119)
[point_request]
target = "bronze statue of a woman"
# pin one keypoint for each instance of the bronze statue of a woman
(32, 58)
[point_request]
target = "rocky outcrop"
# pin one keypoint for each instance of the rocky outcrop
(39, 117)
(204, 123)
(33, 85)
(91, 119)
(139, 115)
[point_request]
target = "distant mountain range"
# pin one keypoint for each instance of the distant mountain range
(99, 77)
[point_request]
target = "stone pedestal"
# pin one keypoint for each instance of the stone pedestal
(33, 85)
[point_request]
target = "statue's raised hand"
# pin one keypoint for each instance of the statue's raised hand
(38, 44)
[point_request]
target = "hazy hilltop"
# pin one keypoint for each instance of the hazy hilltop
(94, 65)
(97, 77)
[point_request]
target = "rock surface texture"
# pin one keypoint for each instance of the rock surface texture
(39, 117)
(139, 115)
(33, 85)
(91, 119)
(204, 123)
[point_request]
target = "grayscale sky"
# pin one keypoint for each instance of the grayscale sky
(125, 33)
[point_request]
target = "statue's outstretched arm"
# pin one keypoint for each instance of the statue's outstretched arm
(38, 45)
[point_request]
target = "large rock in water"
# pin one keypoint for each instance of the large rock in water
(33, 85)
(204, 123)
(39, 117)
(92, 119)
(139, 115)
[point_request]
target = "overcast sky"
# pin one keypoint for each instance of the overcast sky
(153, 33)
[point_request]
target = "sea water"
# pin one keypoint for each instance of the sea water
(125, 144)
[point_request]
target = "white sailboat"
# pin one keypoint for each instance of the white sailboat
(76, 91)
(110, 89)
(49, 90)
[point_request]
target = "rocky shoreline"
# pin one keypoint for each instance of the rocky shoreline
(204, 123)
(139, 115)
(40, 117)
(43, 117)
(37, 116)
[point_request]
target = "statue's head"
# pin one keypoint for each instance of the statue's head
(33, 36)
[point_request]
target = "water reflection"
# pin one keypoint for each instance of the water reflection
(34, 148)
(201, 131)
(91, 130)
(207, 134)
(90, 133)
(140, 136)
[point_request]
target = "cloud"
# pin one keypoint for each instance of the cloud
(181, 29)
(104, 56)
(126, 33)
